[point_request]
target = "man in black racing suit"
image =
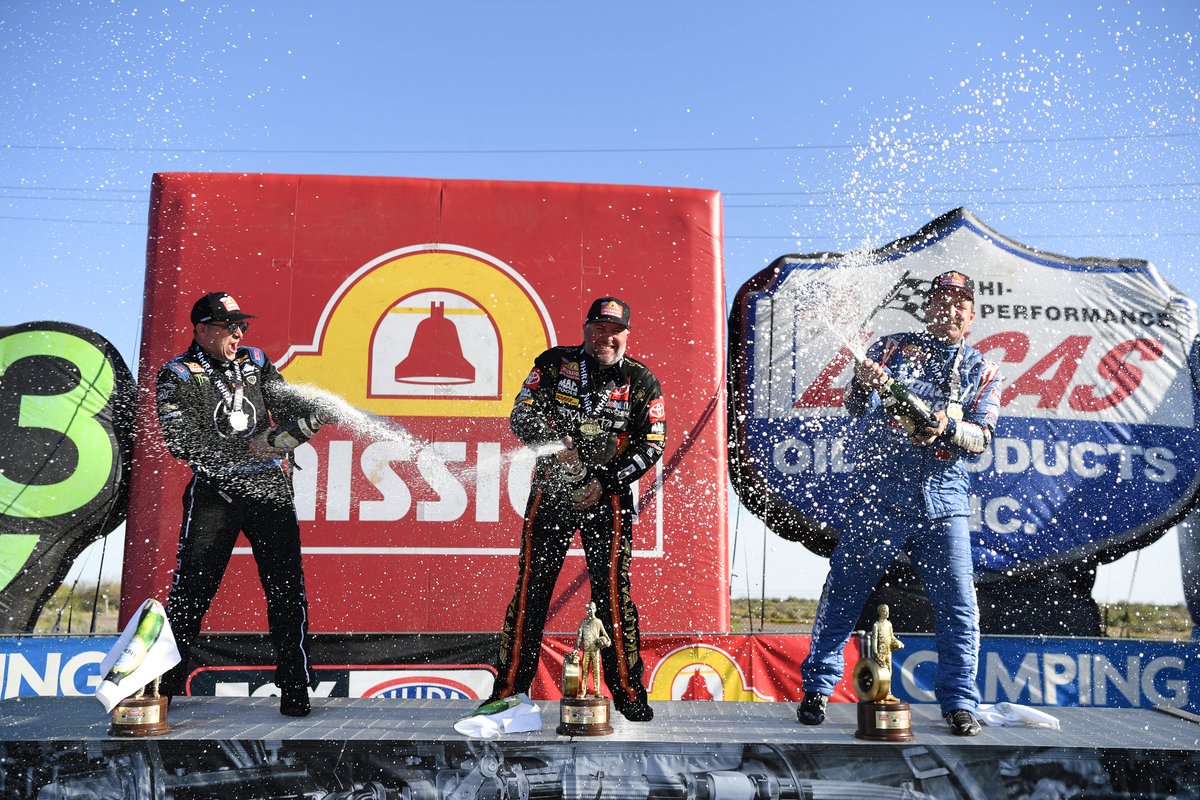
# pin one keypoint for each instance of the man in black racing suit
(597, 420)
(226, 411)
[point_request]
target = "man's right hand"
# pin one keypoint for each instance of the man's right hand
(869, 374)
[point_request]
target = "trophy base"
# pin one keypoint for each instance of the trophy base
(584, 716)
(884, 721)
(140, 716)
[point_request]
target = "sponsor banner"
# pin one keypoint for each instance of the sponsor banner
(424, 303)
(393, 682)
(51, 666)
(1112, 673)
(1096, 451)
(1119, 673)
(66, 435)
(1036, 671)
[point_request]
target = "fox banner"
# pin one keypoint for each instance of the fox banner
(423, 303)
(1096, 452)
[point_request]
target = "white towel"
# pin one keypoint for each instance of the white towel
(147, 659)
(1011, 715)
(519, 714)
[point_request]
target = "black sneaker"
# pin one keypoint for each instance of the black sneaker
(963, 723)
(812, 708)
(636, 712)
(293, 701)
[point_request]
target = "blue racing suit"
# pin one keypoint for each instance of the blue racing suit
(915, 502)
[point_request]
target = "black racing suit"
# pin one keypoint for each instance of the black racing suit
(616, 417)
(233, 490)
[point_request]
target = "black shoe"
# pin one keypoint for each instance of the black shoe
(636, 712)
(293, 701)
(963, 723)
(812, 708)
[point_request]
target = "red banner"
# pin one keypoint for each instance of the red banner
(738, 668)
(349, 278)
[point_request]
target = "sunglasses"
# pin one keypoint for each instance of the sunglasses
(232, 327)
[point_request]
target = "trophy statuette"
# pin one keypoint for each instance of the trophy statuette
(881, 716)
(144, 651)
(584, 713)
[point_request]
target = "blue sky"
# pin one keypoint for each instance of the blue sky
(1070, 127)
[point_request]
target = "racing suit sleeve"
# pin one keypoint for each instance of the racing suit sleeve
(296, 418)
(973, 433)
(532, 411)
(641, 446)
(175, 400)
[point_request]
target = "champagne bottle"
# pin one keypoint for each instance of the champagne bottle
(912, 411)
(147, 630)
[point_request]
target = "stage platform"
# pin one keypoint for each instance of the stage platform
(385, 749)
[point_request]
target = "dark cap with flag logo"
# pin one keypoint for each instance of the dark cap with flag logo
(953, 282)
(217, 307)
(608, 309)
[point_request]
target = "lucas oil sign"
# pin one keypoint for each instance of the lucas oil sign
(1096, 451)
(423, 303)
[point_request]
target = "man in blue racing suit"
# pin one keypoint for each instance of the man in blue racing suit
(915, 487)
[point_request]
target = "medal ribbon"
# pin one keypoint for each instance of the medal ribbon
(953, 385)
(585, 385)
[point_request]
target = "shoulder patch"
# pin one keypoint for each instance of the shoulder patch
(256, 355)
(179, 369)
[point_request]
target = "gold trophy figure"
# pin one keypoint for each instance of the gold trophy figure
(589, 641)
(584, 713)
(881, 716)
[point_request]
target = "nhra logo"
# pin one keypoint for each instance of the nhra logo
(420, 688)
(421, 684)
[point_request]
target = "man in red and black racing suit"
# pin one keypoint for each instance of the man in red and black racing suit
(597, 420)
(226, 411)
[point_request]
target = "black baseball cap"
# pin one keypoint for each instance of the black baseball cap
(217, 307)
(953, 281)
(608, 309)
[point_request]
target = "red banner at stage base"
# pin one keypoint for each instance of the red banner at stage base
(708, 667)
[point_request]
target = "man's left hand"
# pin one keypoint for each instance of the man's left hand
(590, 497)
(926, 436)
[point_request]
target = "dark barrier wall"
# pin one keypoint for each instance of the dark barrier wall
(277, 769)
(66, 434)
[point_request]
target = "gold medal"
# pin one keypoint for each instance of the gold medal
(589, 429)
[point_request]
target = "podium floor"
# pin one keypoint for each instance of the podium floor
(353, 749)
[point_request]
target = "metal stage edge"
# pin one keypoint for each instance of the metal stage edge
(82, 719)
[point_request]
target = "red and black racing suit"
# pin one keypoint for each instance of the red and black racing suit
(233, 490)
(617, 419)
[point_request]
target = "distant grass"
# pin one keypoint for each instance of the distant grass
(1119, 620)
(72, 613)
(68, 612)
